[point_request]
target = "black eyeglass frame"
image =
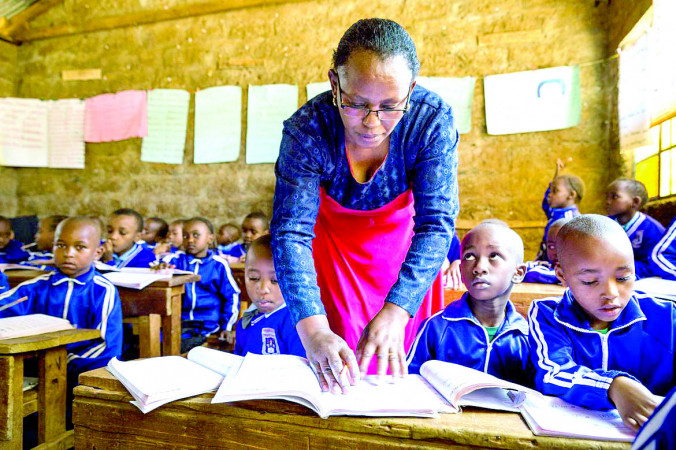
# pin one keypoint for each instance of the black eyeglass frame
(343, 106)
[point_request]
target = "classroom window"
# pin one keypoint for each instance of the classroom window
(655, 165)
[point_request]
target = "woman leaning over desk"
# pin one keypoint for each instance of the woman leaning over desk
(370, 169)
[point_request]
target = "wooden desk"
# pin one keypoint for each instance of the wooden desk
(156, 308)
(522, 294)
(103, 417)
(50, 349)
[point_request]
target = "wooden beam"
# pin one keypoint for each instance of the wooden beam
(144, 18)
(15, 25)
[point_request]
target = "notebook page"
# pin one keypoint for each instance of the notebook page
(217, 361)
(32, 324)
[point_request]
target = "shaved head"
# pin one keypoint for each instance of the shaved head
(591, 226)
(79, 221)
(505, 235)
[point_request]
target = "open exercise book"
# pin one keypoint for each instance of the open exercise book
(136, 277)
(31, 325)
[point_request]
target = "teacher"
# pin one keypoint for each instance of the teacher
(364, 208)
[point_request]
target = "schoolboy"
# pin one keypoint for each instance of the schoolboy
(155, 230)
(624, 198)
(228, 235)
(543, 271)
(77, 292)
(254, 225)
(561, 198)
(173, 241)
(121, 248)
(44, 241)
(663, 257)
(10, 248)
(602, 345)
(266, 327)
(481, 330)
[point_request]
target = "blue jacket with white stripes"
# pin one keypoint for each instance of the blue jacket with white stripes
(12, 253)
(644, 232)
(538, 273)
(88, 301)
(660, 431)
(4, 285)
(456, 335)
(137, 256)
(214, 300)
(578, 364)
(662, 259)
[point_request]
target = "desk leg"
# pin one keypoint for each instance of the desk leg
(149, 335)
(171, 325)
(11, 402)
(52, 394)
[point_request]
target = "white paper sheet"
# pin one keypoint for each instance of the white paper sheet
(268, 107)
(314, 89)
(457, 92)
(218, 124)
(66, 133)
(23, 132)
(536, 100)
(167, 126)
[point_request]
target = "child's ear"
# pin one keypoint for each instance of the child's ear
(11, 234)
(636, 202)
(519, 274)
(559, 275)
(99, 252)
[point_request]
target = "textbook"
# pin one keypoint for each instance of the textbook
(31, 325)
(441, 387)
(154, 382)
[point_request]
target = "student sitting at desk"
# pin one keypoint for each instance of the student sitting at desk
(624, 198)
(254, 225)
(228, 237)
(121, 249)
(482, 330)
(173, 242)
(663, 257)
(266, 327)
(77, 292)
(10, 249)
(602, 345)
(155, 230)
(44, 242)
(543, 271)
(210, 305)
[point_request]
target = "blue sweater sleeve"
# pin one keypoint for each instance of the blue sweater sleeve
(4, 284)
(424, 346)
(662, 258)
(545, 205)
(229, 293)
(26, 289)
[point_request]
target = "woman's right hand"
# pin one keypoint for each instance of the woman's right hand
(330, 357)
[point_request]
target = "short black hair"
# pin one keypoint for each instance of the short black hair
(594, 226)
(634, 188)
(262, 242)
(55, 220)
(383, 37)
(575, 184)
(260, 215)
(205, 221)
(164, 227)
(130, 212)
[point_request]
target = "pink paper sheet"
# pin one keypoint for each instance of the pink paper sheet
(115, 117)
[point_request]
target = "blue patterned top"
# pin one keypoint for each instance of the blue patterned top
(422, 156)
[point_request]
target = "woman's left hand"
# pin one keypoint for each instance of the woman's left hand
(384, 338)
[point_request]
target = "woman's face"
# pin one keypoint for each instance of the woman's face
(368, 81)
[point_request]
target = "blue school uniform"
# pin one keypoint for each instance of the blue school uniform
(578, 364)
(537, 273)
(88, 301)
(13, 253)
(137, 256)
(456, 335)
(553, 214)
(234, 249)
(38, 256)
(268, 334)
(659, 432)
(644, 233)
(454, 250)
(662, 260)
(214, 300)
(4, 284)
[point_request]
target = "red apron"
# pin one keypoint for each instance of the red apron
(358, 256)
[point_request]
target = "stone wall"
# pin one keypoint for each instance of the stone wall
(8, 177)
(500, 176)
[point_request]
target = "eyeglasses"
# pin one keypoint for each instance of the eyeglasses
(363, 112)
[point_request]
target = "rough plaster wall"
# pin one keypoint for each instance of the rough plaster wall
(500, 176)
(8, 177)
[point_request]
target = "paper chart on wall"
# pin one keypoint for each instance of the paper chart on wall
(66, 133)
(536, 100)
(218, 124)
(633, 96)
(23, 132)
(314, 89)
(268, 107)
(457, 92)
(167, 126)
(116, 117)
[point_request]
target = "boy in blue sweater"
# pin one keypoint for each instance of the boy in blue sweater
(77, 292)
(663, 257)
(482, 330)
(266, 327)
(122, 248)
(44, 242)
(624, 198)
(601, 345)
(10, 249)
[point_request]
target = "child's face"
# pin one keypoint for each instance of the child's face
(261, 281)
(197, 239)
(618, 200)
(225, 236)
(600, 274)
(252, 229)
(76, 248)
(488, 266)
(551, 244)
(6, 234)
(122, 232)
(150, 230)
(560, 194)
(44, 238)
(176, 234)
